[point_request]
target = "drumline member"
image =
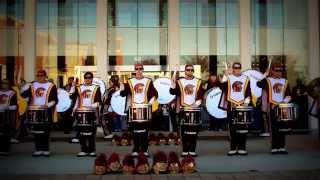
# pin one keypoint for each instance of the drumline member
(108, 114)
(237, 92)
(68, 120)
(89, 97)
(8, 102)
(42, 93)
(190, 92)
(278, 92)
(142, 91)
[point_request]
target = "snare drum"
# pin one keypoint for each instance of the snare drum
(140, 113)
(7, 121)
(85, 119)
(285, 114)
(190, 116)
(242, 118)
(37, 118)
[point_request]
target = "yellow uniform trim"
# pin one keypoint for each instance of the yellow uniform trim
(146, 91)
(48, 93)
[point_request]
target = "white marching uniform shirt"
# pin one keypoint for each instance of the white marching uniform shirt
(237, 86)
(139, 89)
(189, 89)
(87, 94)
(40, 93)
(5, 98)
(277, 89)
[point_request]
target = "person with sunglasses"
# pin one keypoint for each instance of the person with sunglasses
(278, 92)
(88, 97)
(8, 106)
(141, 91)
(190, 92)
(236, 92)
(44, 94)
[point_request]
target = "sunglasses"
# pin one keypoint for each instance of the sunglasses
(191, 70)
(138, 69)
(88, 77)
(236, 67)
(40, 75)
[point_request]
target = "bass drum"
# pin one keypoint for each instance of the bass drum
(163, 85)
(212, 99)
(101, 84)
(64, 101)
(254, 77)
(118, 103)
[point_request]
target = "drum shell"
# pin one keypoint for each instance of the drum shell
(140, 113)
(7, 121)
(37, 118)
(285, 113)
(242, 118)
(85, 120)
(190, 116)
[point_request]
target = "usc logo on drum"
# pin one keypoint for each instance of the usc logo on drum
(188, 90)
(86, 94)
(277, 88)
(4, 99)
(138, 88)
(237, 86)
(40, 92)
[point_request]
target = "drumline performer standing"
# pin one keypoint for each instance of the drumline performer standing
(237, 93)
(142, 91)
(42, 94)
(8, 107)
(87, 103)
(278, 92)
(190, 92)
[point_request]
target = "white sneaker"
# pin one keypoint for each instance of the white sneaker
(75, 140)
(92, 154)
(134, 154)
(81, 154)
(37, 153)
(193, 154)
(282, 151)
(146, 154)
(184, 154)
(265, 134)
(232, 152)
(242, 152)
(274, 151)
(110, 136)
(46, 153)
(14, 141)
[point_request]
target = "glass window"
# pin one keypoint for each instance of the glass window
(188, 13)
(87, 13)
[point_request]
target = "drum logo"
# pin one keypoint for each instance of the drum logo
(237, 86)
(4, 99)
(277, 88)
(138, 88)
(188, 90)
(40, 92)
(86, 94)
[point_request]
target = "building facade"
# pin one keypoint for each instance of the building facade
(68, 37)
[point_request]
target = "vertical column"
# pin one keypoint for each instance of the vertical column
(245, 35)
(173, 33)
(314, 56)
(30, 40)
(101, 39)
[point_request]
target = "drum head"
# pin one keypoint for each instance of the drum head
(118, 103)
(163, 85)
(254, 77)
(212, 103)
(64, 101)
(101, 84)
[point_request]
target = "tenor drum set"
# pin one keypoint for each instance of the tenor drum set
(85, 119)
(242, 118)
(190, 116)
(140, 113)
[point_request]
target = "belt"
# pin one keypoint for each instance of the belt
(139, 131)
(190, 132)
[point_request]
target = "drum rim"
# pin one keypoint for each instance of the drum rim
(142, 105)
(242, 108)
(84, 110)
(33, 107)
(286, 105)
